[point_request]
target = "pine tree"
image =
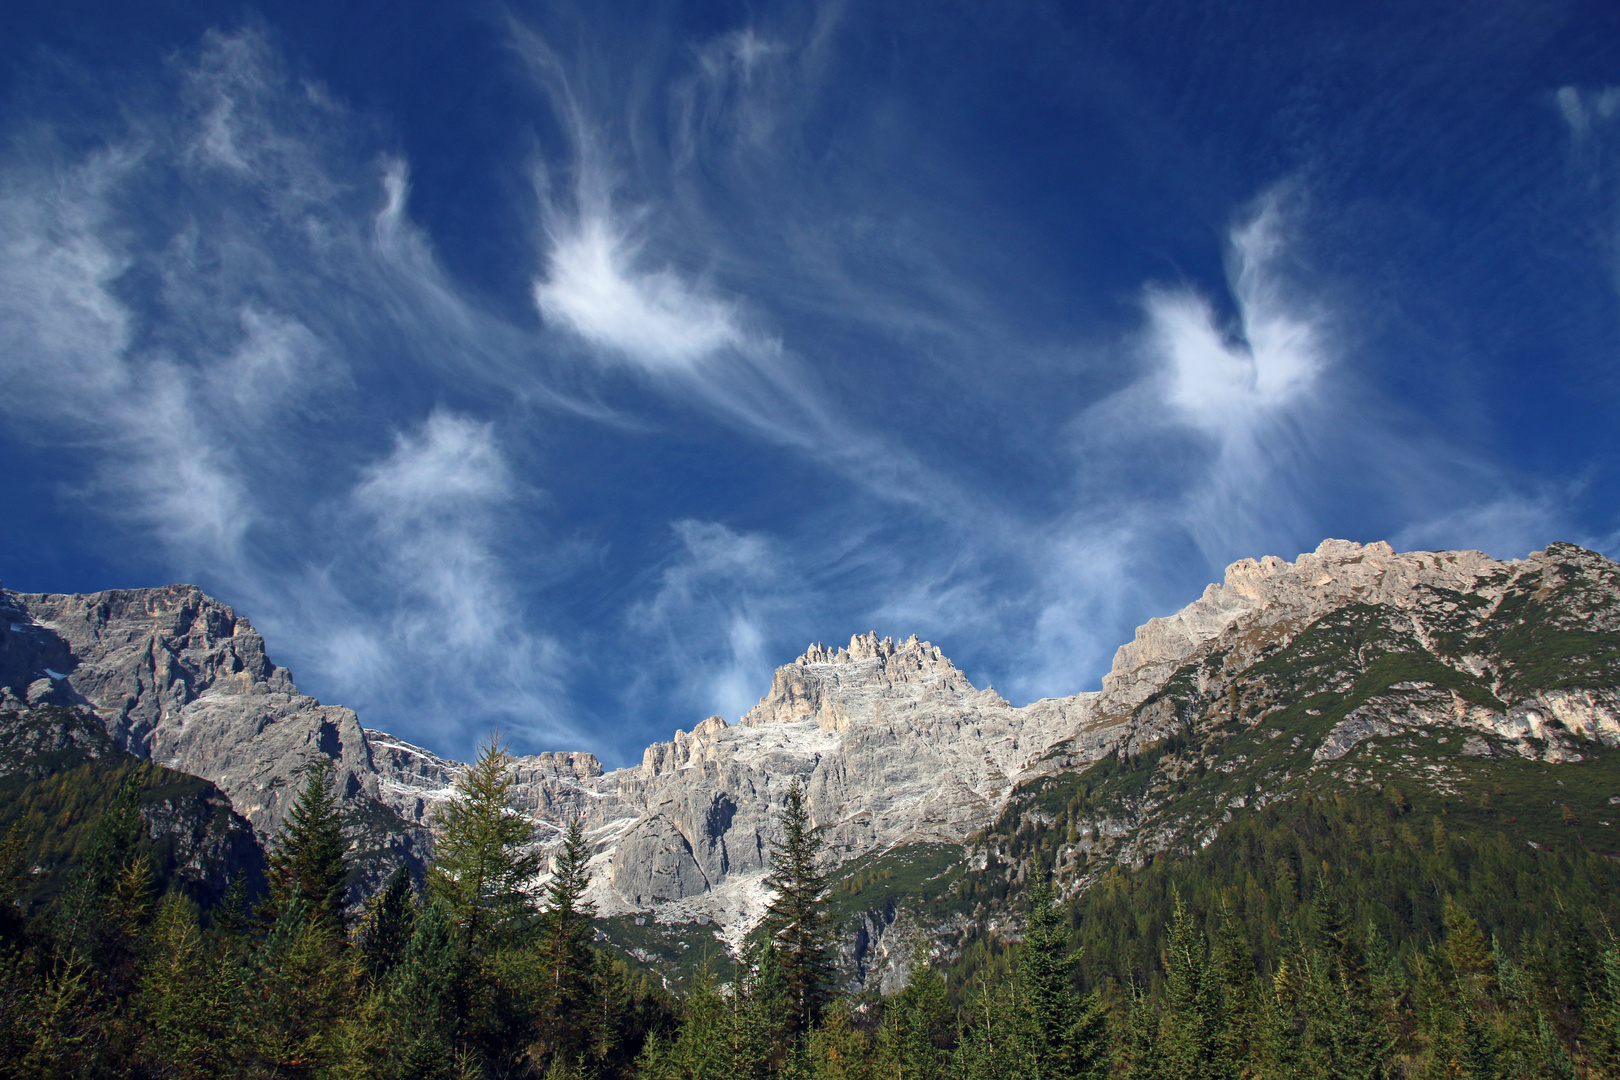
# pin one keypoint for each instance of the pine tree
(913, 1041)
(565, 948)
(481, 868)
(1467, 953)
(310, 857)
(304, 982)
(709, 1042)
(795, 920)
(190, 997)
(1189, 1027)
(423, 996)
(1237, 1000)
(838, 1051)
(388, 923)
(1139, 1055)
(1344, 1020)
(1063, 1035)
(989, 1047)
(112, 851)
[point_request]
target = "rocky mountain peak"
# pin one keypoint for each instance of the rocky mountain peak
(178, 677)
(867, 647)
(834, 687)
(1271, 591)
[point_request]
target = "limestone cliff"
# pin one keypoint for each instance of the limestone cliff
(178, 678)
(892, 742)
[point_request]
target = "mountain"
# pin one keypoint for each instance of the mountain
(1343, 666)
(893, 744)
(1349, 716)
(175, 677)
(1351, 669)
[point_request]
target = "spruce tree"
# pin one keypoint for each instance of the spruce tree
(1552, 1061)
(481, 868)
(310, 857)
(1467, 953)
(423, 995)
(707, 1044)
(839, 1051)
(795, 920)
(766, 1013)
(112, 851)
(389, 921)
(913, 1041)
(1237, 998)
(1063, 1035)
(565, 948)
(304, 983)
(1344, 1017)
(1139, 1055)
(1189, 1028)
(989, 1047)
(1284, 1052)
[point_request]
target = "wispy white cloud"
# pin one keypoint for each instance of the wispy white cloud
(433, 501)
(441, 505)
(721, 606)
(1227, 382)
(1224, 446)
(190, 308)
(603, 286)
(70, 364)
(1581, 109)
(649, 317)
(618, 277)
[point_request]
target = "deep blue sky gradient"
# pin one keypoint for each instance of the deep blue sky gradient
(568, 368)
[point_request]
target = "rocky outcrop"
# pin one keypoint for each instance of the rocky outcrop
(178, 678)
(1352, 666)
(892, 742)
(1259, 594)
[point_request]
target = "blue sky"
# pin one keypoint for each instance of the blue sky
(569, 368)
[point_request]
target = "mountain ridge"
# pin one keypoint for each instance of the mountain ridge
(897, 749)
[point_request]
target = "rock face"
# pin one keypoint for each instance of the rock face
(178, 678)
(892, 742)
(1353, 666)
(1454, 606)
(1262, 593)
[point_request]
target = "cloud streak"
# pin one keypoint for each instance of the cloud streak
(199, 353)
(724, 604)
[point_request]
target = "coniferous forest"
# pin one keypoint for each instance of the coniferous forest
(1296, 947)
